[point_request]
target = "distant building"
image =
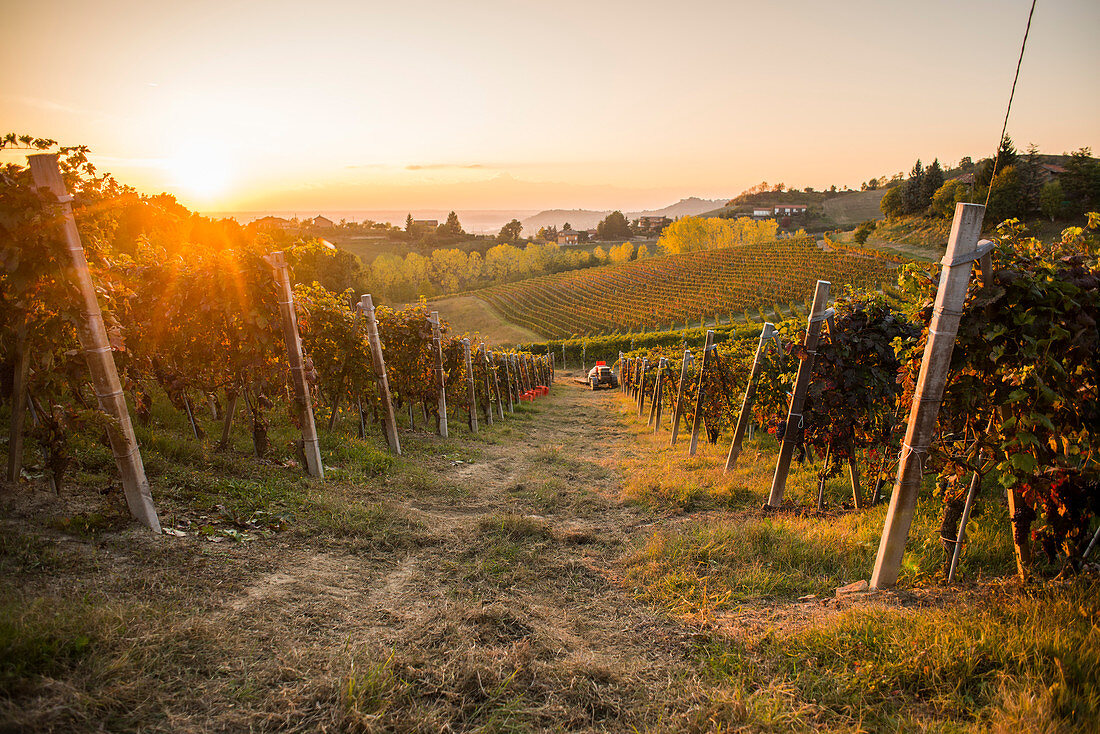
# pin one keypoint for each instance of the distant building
(966, 179)
(426, 223)
(591, 234)
(787, 210)
(652, 226)
(275, 223)
(1050, 172)
(571, 237)
(321, 222)
(762, 211)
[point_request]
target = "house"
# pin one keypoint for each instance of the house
(275, 223)
(321, 222)
(967, 179)
(591, 234)
(652, 225)
(571, 237)
(1050, 171)
(426, 223)
(761, 211)
(787, 210)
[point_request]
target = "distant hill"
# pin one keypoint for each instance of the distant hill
(587, 218)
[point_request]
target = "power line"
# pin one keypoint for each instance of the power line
(1004, 128)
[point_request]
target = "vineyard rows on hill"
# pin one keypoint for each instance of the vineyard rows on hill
(680, 289)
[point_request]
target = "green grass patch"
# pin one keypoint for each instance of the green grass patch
(1018, 661)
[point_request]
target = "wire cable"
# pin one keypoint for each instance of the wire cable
(1004, 128)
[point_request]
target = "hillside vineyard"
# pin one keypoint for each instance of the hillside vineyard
(680, 289)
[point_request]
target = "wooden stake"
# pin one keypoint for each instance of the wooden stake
(962, 250)
(381, 380)
(853, 474)
(97, 352)
(227, 424)
(18, 401)
(471, 390)
(311, 447)
(699, 396)
(679, 409)
(508, 382)
(743, 417)
(641, 386)
(496, 385)
(439, 378)
(798, 398)
(658, 390)
(488, 384)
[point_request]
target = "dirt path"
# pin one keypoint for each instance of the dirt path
(507, 608)
(477, 588)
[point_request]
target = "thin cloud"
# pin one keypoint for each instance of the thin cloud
(442, 166)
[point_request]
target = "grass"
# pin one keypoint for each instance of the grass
(1012, 661)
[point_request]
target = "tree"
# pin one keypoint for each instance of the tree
(643, 252)
(409, 223)
(1081, 181)
(966, 164)
(891, 205)
(1005, 196)
(946, 197)
(451, 226)
(1006, 156)
(933, 180)
(912, 191)
(510, 232)
(613, 227)
(1052, 200)
(621, 253)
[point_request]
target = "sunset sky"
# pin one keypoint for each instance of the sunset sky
(241, 105)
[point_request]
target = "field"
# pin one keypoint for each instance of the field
(562, 570)
(851, 209)
(661, 292)
(471, 314)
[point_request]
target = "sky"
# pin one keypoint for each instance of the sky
(360, 104)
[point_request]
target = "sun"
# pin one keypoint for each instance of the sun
(200, 172)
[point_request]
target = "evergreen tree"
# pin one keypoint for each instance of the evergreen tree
(452, 226)
(933, 180)
(912, 191)
(409, 223)
(613, 227)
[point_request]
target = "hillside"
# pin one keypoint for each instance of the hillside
(588, 218)
(679, 289)
(851, 209)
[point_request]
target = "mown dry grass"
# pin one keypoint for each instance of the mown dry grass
(561, 571)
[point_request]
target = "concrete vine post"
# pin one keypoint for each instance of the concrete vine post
(311, 448)
(471, 389)
(962, 250)
(97, 351)
(768, 332)
(699, 396)
(488, 384)
(678, 410)
(793, 431)
(378, 364)
(439, 378)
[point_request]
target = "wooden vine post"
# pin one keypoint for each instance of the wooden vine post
(658, 389)
(378, 363)
(508, 382)
(439, 378)
(679, 408)
(496, 385)
(708, 347)
(768, 332)
(311, 447)
(97, 352)
(18, 401)
(471, 389)
(641, 386)
(962, 250)
(488, 384)
(793, 431)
